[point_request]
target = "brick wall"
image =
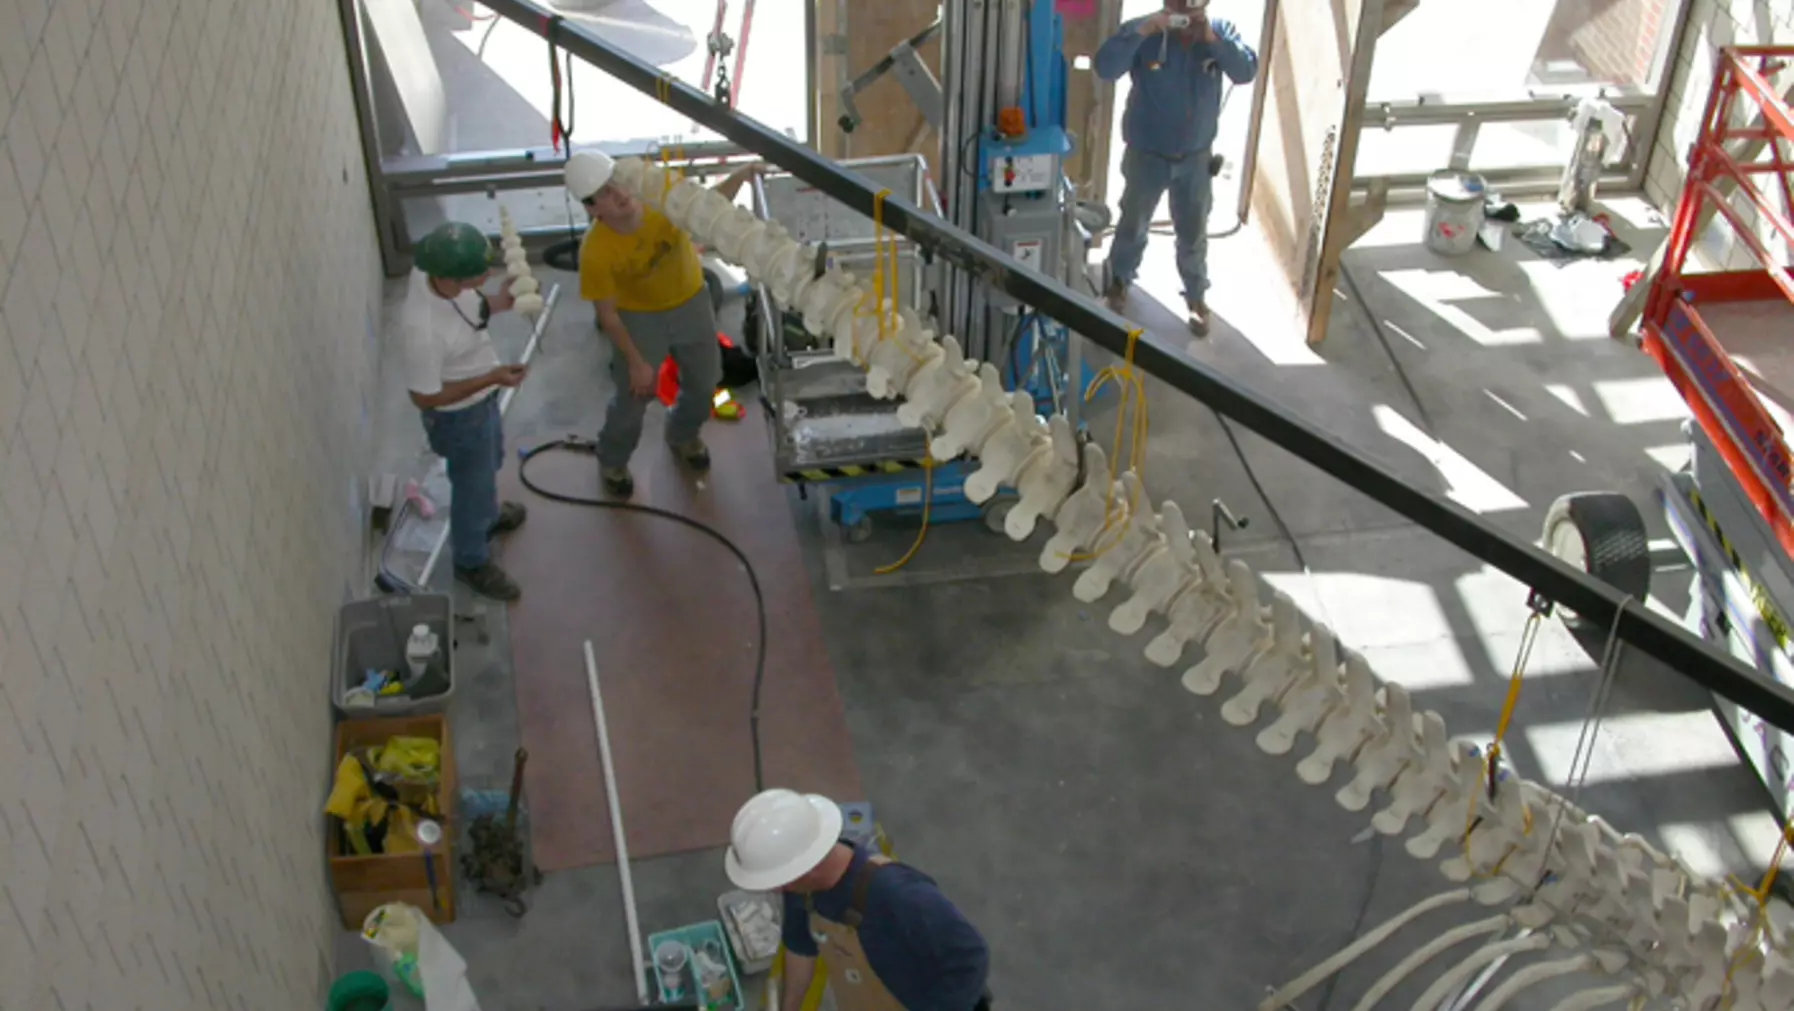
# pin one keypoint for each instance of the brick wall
(1613, 40)
(186, 284)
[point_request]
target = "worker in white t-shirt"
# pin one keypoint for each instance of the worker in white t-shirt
(453, 373)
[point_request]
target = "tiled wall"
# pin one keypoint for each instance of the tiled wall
(188, 282)
(1711, 24)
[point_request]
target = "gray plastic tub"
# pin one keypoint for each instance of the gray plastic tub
(371, 635)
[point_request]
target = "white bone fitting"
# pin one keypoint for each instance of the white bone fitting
(1564, 889)
(524, 286)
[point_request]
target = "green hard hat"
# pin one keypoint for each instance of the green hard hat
(456, 251)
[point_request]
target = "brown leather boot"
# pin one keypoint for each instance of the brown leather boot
(1115, 296)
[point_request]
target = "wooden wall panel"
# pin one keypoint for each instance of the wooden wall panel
(1090, 101)
(891, 122)
(1315, 70)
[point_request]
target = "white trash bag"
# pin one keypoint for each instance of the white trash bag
(417, 953)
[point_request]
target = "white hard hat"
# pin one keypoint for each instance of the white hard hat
(778, 837)
(587, 172)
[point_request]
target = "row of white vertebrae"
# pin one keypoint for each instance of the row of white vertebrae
(524, 286)
(1630, 911)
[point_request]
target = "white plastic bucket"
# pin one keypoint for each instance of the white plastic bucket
(1454, 211)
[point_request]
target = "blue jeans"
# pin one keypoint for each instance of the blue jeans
(1148, 177)
(472, 442)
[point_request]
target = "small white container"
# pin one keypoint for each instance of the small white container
(1454, 211)
(421, 650)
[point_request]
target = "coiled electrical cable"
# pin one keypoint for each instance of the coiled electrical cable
(581, 446)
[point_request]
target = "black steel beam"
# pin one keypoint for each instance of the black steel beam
(1594, 600)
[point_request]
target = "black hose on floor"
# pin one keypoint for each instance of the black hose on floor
(587, 448)
(1289, 535)
(1376, 327)
(563, 255)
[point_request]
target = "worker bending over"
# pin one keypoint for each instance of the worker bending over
(890, 939)
(643, 275)
(1169, 129)
(453, 373)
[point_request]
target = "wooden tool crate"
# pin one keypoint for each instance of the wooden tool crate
(363, 883)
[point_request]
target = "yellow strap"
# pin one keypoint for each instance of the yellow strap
(927, 504)
(1491, 762)
(1138, 425)
(1748, 950)
(885, 280)
(878, 269)
(895, 286)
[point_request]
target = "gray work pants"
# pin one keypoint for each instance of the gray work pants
(688, 333)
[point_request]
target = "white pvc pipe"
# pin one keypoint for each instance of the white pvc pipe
(504, 404)
(616, 828)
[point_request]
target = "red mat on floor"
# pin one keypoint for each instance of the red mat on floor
(671, 618)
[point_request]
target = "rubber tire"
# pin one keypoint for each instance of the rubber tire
(860, 531)
(1615, 542)
(994, 512)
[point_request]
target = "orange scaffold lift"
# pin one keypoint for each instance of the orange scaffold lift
(1719, 337)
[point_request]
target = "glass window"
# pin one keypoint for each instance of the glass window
(1523, 48)
(498, 91)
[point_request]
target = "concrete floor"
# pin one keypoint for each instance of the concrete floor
(1118, 843)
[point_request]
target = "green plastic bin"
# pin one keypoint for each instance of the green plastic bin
(694, 937)
(360, 991)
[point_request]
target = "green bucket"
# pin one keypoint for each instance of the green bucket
(360, 991)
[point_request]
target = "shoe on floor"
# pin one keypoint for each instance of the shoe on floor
(617, 481)
(1115, 296)
(693, 454)
(510, 516)
(490, 581)
(1199, 318)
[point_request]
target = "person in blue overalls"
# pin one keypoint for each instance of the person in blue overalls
(1176, 59)
(890, 939)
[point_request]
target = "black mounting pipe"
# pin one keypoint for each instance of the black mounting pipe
(1594, 600)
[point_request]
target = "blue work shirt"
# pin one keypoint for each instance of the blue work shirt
(1175, 109)
(924, 950)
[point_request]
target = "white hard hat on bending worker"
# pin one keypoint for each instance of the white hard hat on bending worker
(643, 276)
(895, 943)
(588, 172)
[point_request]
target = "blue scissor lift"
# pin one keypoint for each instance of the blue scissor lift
(827, 430)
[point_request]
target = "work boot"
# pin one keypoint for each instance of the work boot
(693, 454)
(490, 581)
(1115, 296)
(510, 516)
(617, 481)
(1199, 318)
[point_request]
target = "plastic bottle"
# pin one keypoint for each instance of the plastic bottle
(420, 650)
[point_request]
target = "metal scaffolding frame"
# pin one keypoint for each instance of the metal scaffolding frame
(1730, 507)
(1590, 598)
(1675, 330)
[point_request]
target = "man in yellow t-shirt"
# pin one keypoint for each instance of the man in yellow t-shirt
(643, 275)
